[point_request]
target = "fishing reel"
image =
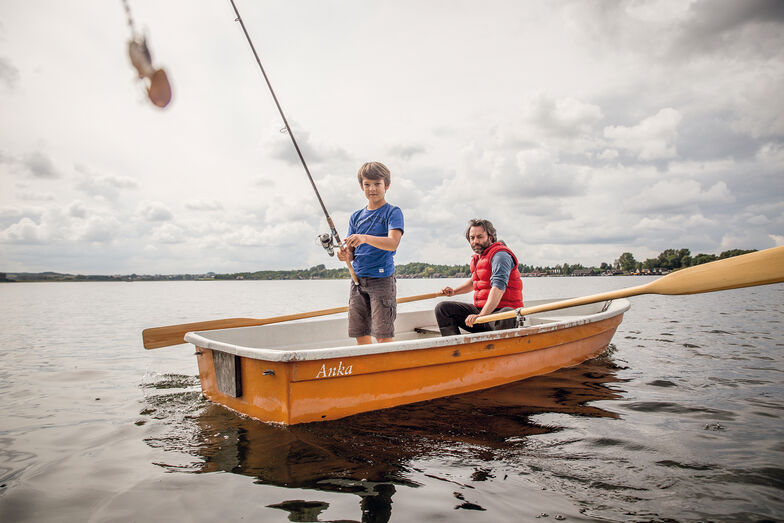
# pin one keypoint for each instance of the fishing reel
(329, 242)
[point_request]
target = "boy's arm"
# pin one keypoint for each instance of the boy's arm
(386, 243)
(345, 253)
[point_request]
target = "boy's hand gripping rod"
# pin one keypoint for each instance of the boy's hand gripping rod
(333, 240)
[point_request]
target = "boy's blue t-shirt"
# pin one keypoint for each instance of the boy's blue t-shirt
(369, 261)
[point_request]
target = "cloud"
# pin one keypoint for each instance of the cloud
(406, 152)
(154, 211)
(758, 219)
(107, 186)
(708, 135)
(713, 26)
(286, 234)
(340, 193)
(683, 31)
(40, 166)
(36, 196)
(33, 226)
(671, 223)
(405, 193)
(772, 154)
(761, 120)
(541, 175)
(678, 196)
(25, 231)
(608, 155)
(567, 117)
(11, 215)
(279, 146)
(9, 75)
(264, 182)
(169, 233)
(582, 129)
(652, 139)
(101, 229)
(76, 210)
(203, 205)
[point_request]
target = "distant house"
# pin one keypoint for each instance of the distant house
(582, 272)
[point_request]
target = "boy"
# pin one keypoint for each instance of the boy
(374, 233)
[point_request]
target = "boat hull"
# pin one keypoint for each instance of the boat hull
(334, 384)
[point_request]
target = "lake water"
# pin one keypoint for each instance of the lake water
(681, 419)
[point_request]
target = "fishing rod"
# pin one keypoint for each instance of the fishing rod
(328, 241)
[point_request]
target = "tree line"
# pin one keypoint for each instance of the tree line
(672, 259)
(321, 272)
(666, 261)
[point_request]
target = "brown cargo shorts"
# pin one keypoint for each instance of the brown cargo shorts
(372, 308)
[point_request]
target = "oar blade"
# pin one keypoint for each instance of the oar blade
(747, 270)
(157, 337)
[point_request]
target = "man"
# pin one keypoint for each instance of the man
(495, 281)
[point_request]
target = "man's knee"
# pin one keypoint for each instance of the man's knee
(509, 323)
(442, 310)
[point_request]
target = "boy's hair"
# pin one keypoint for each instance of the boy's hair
(484, 224)
(374, 171)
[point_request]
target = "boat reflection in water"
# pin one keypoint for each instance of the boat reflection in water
(370, 454)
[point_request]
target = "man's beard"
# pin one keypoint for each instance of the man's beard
(479, 248)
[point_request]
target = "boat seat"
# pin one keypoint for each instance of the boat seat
(428, 330)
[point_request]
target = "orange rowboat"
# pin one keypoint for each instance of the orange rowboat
(312, 371)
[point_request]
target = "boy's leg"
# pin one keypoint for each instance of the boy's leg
(359, 314)
(383, 307)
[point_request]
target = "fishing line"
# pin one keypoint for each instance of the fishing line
(130, 18)
(328, 242)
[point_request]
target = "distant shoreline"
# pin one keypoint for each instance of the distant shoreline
(669, 260)
(153, 279)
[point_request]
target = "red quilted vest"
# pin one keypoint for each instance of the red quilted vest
(482, 269)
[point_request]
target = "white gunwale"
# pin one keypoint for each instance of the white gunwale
(284, 342)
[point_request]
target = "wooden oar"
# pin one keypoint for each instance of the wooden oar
(746, 270)
(157, 337)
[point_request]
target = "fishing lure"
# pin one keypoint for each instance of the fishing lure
(158, 87)
(156, 81)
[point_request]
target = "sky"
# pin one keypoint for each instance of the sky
(581, 129)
